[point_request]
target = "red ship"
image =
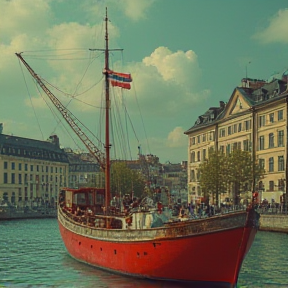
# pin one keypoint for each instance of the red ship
(207, 251)
(139, 242)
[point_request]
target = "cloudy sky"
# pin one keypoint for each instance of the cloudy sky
(184, 56)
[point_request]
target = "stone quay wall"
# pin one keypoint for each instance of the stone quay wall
(274, 223)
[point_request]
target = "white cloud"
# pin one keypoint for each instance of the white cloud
(22, 17)
(277, 30)
(135, 9)
(132, 9)
(176, 138)
(166, 82)
(177, 67)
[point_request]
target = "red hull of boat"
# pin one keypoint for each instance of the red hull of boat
(214, 257)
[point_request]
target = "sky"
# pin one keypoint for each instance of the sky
(184, 57)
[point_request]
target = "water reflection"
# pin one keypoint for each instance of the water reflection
(105, 279)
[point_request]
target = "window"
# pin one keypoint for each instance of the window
(20, 178)
(221, 149)
(211, 136)
(12, 165)
(271, 140)
(13, 178)
(239, 127)
(245, 145)
(235, 145)
(247, 125)
(280, 115)
(281, 185)
(280, 163)
(20, 166)
(198, 156)
(262, 163)
(271, 164)
(192, 141)
(26, 167)
(261, 185)
(222, 132)
(5, 165)
(5, 178)
(31, 167)
(262, 121)
(229, 130)
(271, 185)
(198, 175)
(228, 149)
(281, 138)
(192, 175)
(192, 157)
(271, 117)
(204, 154)
(46, 169)
(235, 128)
(239, 145)
(198, 140)
(37, 168)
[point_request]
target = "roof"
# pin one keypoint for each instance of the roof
(30, 148)
(268, 92)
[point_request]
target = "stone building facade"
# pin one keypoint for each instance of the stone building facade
(31, 171)
(254, 119)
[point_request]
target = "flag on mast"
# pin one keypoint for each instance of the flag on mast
(120, 79)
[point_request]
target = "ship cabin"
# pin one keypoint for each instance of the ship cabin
(87, 207)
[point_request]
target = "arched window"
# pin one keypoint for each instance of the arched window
(271, 140)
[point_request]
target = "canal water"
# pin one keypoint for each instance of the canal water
(32, 255)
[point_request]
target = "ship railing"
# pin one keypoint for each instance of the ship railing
(97, 220)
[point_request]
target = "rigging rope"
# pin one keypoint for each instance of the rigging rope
(31, 100)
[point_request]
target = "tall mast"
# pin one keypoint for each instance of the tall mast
(107, 122)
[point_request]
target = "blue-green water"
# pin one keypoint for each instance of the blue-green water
(32, 255)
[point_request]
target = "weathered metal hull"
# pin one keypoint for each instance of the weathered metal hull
(208, 250)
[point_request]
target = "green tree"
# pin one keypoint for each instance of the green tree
(233, 172)
(125, 180)
(242, 172)
(213, 175)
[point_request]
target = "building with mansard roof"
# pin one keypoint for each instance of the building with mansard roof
(254, 119)
(84, 170)
(31, 171)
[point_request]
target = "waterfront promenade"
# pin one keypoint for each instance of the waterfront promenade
(273, 219)
(7, 213)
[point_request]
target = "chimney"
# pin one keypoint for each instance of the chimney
(55, 140)
(222, 104)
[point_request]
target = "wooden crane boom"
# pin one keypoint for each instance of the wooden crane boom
(71, 119)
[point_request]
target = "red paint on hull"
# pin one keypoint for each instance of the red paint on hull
(190, 258)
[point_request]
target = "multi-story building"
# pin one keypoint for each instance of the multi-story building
(254, 119)
(84, 170)
(31, 171)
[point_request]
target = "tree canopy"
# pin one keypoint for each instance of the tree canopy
(234, 172)
(125, 180)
